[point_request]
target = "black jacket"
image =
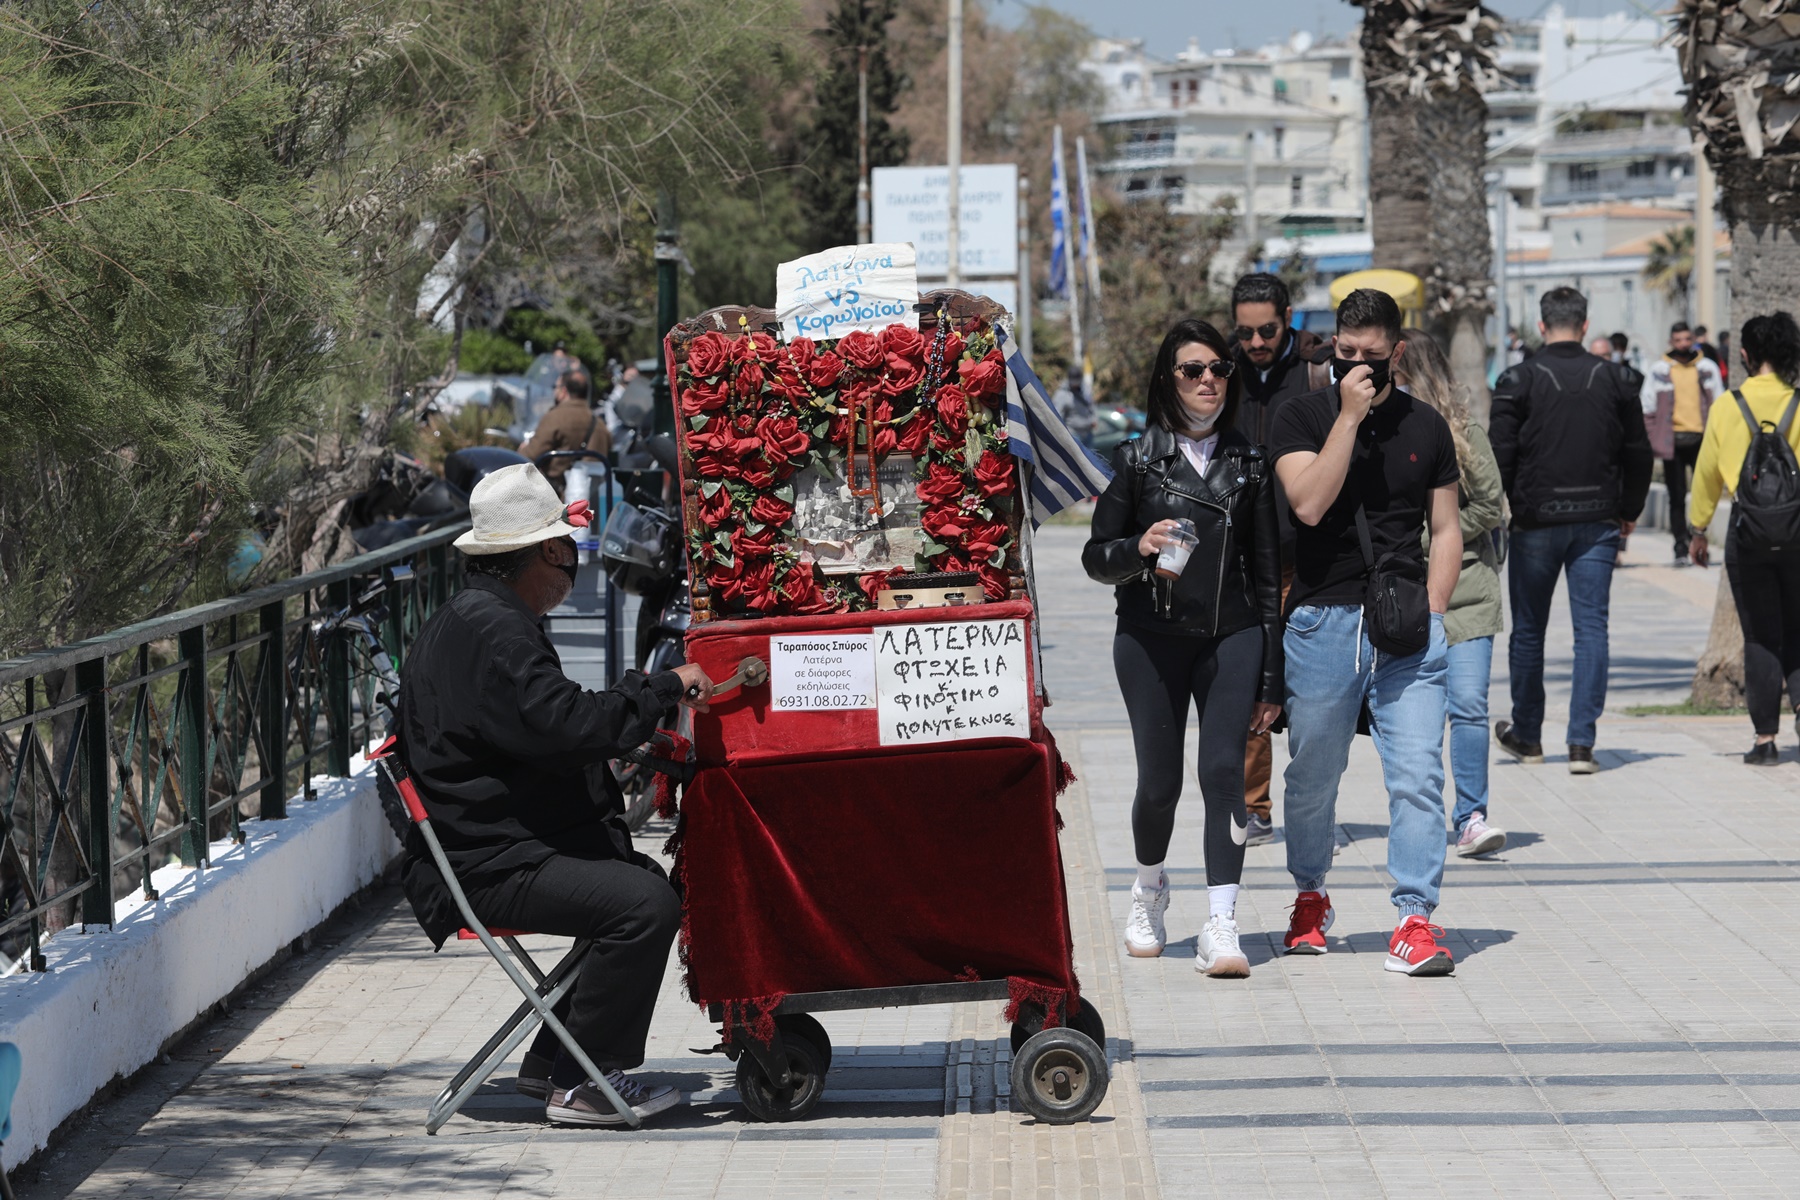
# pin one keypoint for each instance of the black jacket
(1304, 366)
(1568, 433)
(1233, 580)
(509, 754)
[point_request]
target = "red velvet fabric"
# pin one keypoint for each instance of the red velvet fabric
(861, 872)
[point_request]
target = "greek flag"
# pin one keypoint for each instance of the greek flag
(1061, 471)
(1059, 220)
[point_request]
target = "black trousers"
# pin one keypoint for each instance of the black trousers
(631, 913)
(1161, 676)
(1675, 478)
(1767, 590)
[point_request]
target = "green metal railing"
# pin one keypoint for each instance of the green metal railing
(145, 745)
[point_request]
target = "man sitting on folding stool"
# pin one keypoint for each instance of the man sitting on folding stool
(510, 759)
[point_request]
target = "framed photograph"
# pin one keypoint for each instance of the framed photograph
(844, 533)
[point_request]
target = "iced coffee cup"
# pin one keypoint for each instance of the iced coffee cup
(1174, 557)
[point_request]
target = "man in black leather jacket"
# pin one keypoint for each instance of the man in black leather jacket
(1568, 433)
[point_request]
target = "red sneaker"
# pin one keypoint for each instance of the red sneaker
(1313, 915)
(1415, 950)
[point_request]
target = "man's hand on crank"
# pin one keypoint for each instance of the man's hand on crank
(697, 689)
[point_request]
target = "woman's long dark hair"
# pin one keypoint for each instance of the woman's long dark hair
(1773, 341)
(1162, 405)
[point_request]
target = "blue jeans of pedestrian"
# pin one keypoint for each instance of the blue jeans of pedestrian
(1587, 553)
(1471, 666)
(1332, 670)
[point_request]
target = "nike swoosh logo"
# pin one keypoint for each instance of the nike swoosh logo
(1238, 832)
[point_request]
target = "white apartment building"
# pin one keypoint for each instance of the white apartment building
(1283, 124)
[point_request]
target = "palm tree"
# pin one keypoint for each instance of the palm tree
(1426, 63)
(1736, 55)
(1670, 266)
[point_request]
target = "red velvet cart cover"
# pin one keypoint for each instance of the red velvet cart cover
(865, 872)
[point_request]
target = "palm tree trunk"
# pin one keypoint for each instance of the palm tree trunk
(1719, 675)
(1459, 283)
(1399, 185)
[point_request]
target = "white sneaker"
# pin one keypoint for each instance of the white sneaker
(1218, 953)
(1144, 932)
(1478, 838)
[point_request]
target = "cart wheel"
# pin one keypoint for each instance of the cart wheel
(1059, 1076)
(1085, 1018)
(767, 1102)
(807, 1026)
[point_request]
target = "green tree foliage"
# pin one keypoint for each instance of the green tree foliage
(828, 184)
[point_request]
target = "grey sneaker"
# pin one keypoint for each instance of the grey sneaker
(1519, 748)
(1478, 838)
(1144, 931)
(1218, 953)
(588, 1105)
(534, 1077)
(1259, 830)
(1581, 760)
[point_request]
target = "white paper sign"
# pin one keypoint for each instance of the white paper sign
(839, 291)
(912, 204)
(950, 682)
(826, 670)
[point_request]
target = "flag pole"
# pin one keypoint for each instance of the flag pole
(953, 267)
(1060, 200)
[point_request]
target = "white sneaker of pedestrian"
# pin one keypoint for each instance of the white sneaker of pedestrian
(1144, 932)
(1478, 837)
(1218, 953)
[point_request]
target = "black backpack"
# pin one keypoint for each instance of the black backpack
(1765, 509)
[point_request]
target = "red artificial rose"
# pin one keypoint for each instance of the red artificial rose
(947, 442)
(945, 524)
(885, 441)
(799, 354)
(703, 396)
(903, 375)
(784, 383)
(986, 377)
(757, 473)
(916, 434)
(708, 354)
(994, 582)
(800, 587)
(984, 539)
(943, 484)
(712, 464)
(743, 350)
(823, 371)
(952, 408)
(766, 349)
(770, 510)
(873, 581)
(749, 380)
(904, 341)
(757, 583)
(953, 348)
(861, 350)
(994, 473)
(760, 544)
(782, 437)
(715, 509)
(953, 560)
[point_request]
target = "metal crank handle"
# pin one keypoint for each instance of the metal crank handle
(752, 672)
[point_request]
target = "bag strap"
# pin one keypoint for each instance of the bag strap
(1362, 535)
(1750, 417)
(1787, 417)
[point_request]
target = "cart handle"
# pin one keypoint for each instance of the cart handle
(752, 672)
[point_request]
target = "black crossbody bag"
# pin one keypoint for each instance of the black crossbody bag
(1396, 606)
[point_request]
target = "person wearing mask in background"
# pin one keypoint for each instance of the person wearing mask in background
(1765, 580)
(1474, 616)
(1275, 362)
(1366, 468)
(1712, 354)
(1676, 397)
(571, 424)
(1204, 635)
(1570, 443)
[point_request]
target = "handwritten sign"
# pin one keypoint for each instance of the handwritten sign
(835, 292)
(827, 670)
(952, 681)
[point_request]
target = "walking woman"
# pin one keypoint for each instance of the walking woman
(1475, 614)
(1765, 578)
(1186, 533)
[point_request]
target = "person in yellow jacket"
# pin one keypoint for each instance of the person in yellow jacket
(1766, 584)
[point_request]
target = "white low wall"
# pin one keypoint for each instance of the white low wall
(112, 998)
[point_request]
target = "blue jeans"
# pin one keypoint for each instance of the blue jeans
(1471, 666)
(1588, 552)
(1331, 671)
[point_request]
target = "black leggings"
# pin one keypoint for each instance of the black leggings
(1767, 589)
(1160, 676)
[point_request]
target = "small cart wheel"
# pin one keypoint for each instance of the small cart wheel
(767, 1102)
(807, 1026)
(1059, 1076)
(1085, 1018)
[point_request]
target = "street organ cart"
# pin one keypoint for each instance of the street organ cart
(872, 821)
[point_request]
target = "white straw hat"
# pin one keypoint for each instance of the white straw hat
(513, 508)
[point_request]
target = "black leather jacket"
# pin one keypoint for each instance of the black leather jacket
(1233, 580)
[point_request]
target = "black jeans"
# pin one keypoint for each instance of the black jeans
(1675, 478)
(1767, 589)
(1160, 675)
(631, 913)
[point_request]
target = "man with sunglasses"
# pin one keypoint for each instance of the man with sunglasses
(1275, 363)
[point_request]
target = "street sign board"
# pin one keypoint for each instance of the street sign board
(911, 204)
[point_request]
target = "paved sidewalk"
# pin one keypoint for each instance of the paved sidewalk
(1620, 1022)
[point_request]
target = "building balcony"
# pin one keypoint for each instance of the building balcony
(1679, 192)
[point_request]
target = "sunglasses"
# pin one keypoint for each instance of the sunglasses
(1220, 367)
(1243, 333)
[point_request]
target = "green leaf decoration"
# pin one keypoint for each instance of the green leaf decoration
(710, 487)
(785, 493)
(697, 423)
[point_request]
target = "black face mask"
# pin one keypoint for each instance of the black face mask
(572, 567)
(1683, 355)
(1379, 371)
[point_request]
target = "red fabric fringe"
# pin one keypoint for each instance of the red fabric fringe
(1054, 1000)
(679, 751)
(755, 1016)
(1065, 775)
